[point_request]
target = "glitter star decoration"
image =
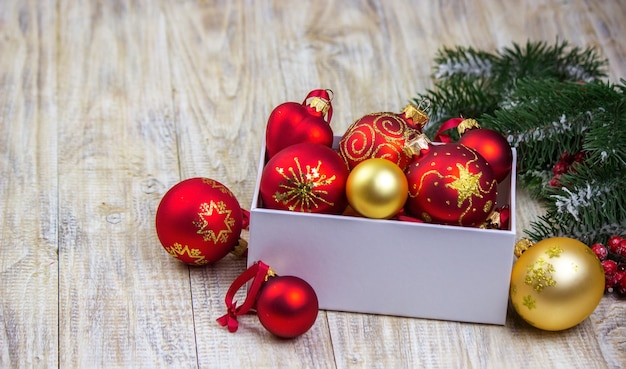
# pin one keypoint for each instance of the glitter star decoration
(301, 188)
(467, 184)
(539, 275)
(215, 222)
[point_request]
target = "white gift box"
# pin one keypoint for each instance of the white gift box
(391, 267)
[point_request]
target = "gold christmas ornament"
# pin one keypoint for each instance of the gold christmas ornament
(557, 283)
(377, 188)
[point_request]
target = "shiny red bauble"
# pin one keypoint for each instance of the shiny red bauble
(199, 221)
(492, 146)
(291, 123)
(451, 184)
(305, 177)
(287, 306)
(382, 135)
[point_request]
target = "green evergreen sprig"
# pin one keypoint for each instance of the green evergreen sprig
(470, 82)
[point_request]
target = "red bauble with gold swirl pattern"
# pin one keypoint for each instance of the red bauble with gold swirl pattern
(199, 221)
(383, 135)
(451, 184)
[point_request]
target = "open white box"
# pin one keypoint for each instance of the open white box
(391, 267)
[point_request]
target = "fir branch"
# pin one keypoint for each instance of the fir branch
(472, 82)
(548, 117)
(463, 62)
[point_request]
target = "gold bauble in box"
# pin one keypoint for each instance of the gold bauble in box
(556, 283)
(377, 188)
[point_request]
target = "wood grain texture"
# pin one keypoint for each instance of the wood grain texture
(28, 186)
(104, 105)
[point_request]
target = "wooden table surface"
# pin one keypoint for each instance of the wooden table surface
(104, 105)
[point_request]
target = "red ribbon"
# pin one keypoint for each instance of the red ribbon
(448, 124)
(324, 94)
(257, 273)
(245, 221)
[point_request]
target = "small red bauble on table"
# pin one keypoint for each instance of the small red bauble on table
(292, 123)
(199, 221)
(305, 177)
(383, 135)
(451, 184)
(287, 306)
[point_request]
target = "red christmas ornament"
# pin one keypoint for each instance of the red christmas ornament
(383, 135)
(305, 177)
(451, 184)
(287, 306)
(199, 221)
(490, 144)
(291, 123)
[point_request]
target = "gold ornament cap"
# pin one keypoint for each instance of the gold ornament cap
(467, 124)
(493, 221)
(522, 245)
(320, 105)
(417, 113)
(415, 145)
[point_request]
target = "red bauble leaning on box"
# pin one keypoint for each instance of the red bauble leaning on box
(199, 221)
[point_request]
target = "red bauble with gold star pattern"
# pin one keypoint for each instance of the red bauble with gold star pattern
(199, 221)
(383, 135)
(305, 177)
(451, 184)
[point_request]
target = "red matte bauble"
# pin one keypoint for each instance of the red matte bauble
(287, 306)
(380, 135)
(199, 221)
(451, 184)
(291, 123)
(492, 146)
(305, 177)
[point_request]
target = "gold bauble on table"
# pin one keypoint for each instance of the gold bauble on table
(556, 283)
(377, 188)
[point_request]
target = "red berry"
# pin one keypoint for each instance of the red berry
(613, 242)
(621, 287)
(600, 250)
(611, 282)
(560, 168)
(555, 181)
(565, 157)
(580, 157)
(610, 267)
(620, 249)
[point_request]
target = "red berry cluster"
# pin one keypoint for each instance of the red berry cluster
(567, 163)
(613, 258)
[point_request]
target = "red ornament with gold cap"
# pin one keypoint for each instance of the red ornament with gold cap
(383, 135)
(489, 143)
(292, 123)
(450, 184)
(199, 221)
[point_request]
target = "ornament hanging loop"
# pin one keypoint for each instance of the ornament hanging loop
(258, 272)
